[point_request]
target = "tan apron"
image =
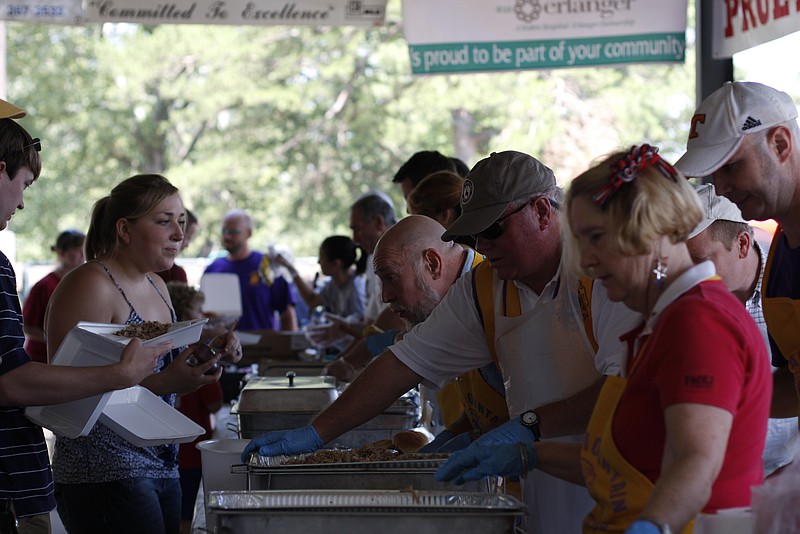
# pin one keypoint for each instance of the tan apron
(449, 399)
(543, 359)
(484, 407)
(620, 491)
(782, 315)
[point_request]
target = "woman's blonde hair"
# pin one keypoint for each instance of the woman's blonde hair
(657, 202)
(131, 199)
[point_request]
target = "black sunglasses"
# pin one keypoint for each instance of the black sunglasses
(495, 230)
(36, 143)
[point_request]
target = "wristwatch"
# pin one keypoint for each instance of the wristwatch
(531, 420)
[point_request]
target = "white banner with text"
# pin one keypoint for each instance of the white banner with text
(742, 24)
(487, 35)
(265, 12)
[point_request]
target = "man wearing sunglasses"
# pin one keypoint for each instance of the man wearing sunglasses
(544, 330)
(26, 484)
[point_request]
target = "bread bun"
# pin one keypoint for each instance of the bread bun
(410, 441)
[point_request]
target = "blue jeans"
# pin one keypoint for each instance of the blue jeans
(131, 505)
(190, 483)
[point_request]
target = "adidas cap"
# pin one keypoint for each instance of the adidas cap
(725, 117)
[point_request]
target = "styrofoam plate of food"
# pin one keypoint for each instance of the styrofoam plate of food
(89, 344)
(151, 332)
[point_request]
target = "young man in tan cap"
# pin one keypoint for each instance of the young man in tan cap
(726, 239)
(10, 111)
(746, 137)
(545, 348)
(26, 484)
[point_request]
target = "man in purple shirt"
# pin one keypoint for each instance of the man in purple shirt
(261, 296)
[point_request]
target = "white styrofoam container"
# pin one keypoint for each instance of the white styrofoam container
(144, 419)
(223, 295)
(89, 344)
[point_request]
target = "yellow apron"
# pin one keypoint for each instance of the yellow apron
(782, 315)
(449, 399)
(484, 407)
(619, 490)
(468, 393)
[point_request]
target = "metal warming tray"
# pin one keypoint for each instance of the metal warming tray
(273, 473)
(272, 403)
(364, 511)
(289, 394)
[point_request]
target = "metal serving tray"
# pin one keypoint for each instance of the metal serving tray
(363, 511)
(272, 473)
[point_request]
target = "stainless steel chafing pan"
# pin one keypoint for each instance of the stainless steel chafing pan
(272, 473)
(271, 403)
(363, 511)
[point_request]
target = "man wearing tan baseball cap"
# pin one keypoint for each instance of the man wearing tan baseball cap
(552, 358)
(10, 111)
(745, 135)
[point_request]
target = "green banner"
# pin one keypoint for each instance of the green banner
(443, 58)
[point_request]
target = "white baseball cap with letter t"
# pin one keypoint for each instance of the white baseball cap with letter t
(723, 119)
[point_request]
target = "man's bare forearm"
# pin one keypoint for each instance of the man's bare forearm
(569, 416)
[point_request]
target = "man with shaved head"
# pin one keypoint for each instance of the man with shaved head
(417, 269)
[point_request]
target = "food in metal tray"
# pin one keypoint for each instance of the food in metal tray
(146, 330)
(381, 451)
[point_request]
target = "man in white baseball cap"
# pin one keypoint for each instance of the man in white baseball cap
(745, 135)
(726, 239)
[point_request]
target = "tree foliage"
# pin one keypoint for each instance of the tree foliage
(293, 123)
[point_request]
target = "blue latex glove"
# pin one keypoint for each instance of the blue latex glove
(477, 462)
(512, 431)
(643, 527)
(287, 442)
(377, 343)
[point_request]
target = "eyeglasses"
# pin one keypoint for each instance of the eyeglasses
(231, 231)
(495, 230)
